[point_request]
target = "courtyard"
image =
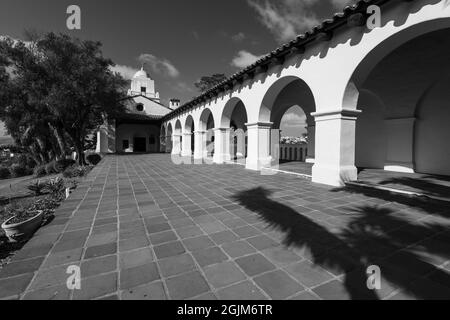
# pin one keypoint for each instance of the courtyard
(140, 227)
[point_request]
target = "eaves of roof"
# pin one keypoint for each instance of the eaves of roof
(317, 33)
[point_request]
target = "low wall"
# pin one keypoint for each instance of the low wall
(293, 152)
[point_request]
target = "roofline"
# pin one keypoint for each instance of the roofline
(140, 95)
(317, 33)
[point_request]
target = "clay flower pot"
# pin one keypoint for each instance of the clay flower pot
(21, 231)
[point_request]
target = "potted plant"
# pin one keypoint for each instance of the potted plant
(23, 223)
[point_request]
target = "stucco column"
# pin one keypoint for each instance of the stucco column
(200, 151)
(335, 147)
(102, 140)
(130, 143)
(399, 151)
(258, 145)
(106, 137)
(168, 144)
(187, 148)
(176, 144)
(240, 143)
(222, 145)
(311, 144)
(162, 144)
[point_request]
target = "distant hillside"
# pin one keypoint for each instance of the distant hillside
(6, 140)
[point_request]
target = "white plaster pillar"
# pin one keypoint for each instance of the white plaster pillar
(102, 141)
(222, 145)
(275, 146)
(311, 144)
(240, 143)
(258, 145)
(200, 151)
(106, 137)
(162, 144)
(335, 147)
(187, 148)
(176, 144)
(130, 144)
(400, 142)
(168, 146)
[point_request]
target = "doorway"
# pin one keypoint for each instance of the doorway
(140, 145)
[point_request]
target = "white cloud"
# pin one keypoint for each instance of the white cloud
(238, 37)
(286, 18)
(183, 87)
(161, 66)
(244, 59)
(291, 119)
(126, 71)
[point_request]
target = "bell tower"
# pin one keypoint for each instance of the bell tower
(142, 84)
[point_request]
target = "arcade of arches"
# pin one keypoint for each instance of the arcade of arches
(372, 99)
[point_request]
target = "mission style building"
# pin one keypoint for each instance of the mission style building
(136, 131)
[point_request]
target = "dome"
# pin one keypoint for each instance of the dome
(141, 74)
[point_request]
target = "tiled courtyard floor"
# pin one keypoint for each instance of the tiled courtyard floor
(141, 227)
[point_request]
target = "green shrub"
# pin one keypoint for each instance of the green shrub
(50, 168)
(76, 171)
(4, 173)
(54, 186)
(40, 171)
(70, 172)
(61, 165)
(25, 160)
(94, 159)
(19, 171)
(38, 187)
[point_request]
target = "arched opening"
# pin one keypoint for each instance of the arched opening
(234, 116)
(404, 98)
(162, 139)
(290, 97)
(293, 135)
(206, 126)
(169, 138)
(177, 138)
(189, 140)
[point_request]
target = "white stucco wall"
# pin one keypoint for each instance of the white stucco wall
(131, 131)
(432, 131)
(334, 72)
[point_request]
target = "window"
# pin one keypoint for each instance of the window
(140, 107)
(143, 89)
(125, 144)
(152, 139)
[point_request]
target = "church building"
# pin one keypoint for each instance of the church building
(138, 130)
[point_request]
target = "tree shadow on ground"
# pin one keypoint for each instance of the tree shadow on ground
(406, 251)
(368, 239)
(423, 205)
(301, 232)
(427, 187)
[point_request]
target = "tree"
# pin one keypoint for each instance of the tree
(207, 82)
(63, 89)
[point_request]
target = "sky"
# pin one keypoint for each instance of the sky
(180, 40)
